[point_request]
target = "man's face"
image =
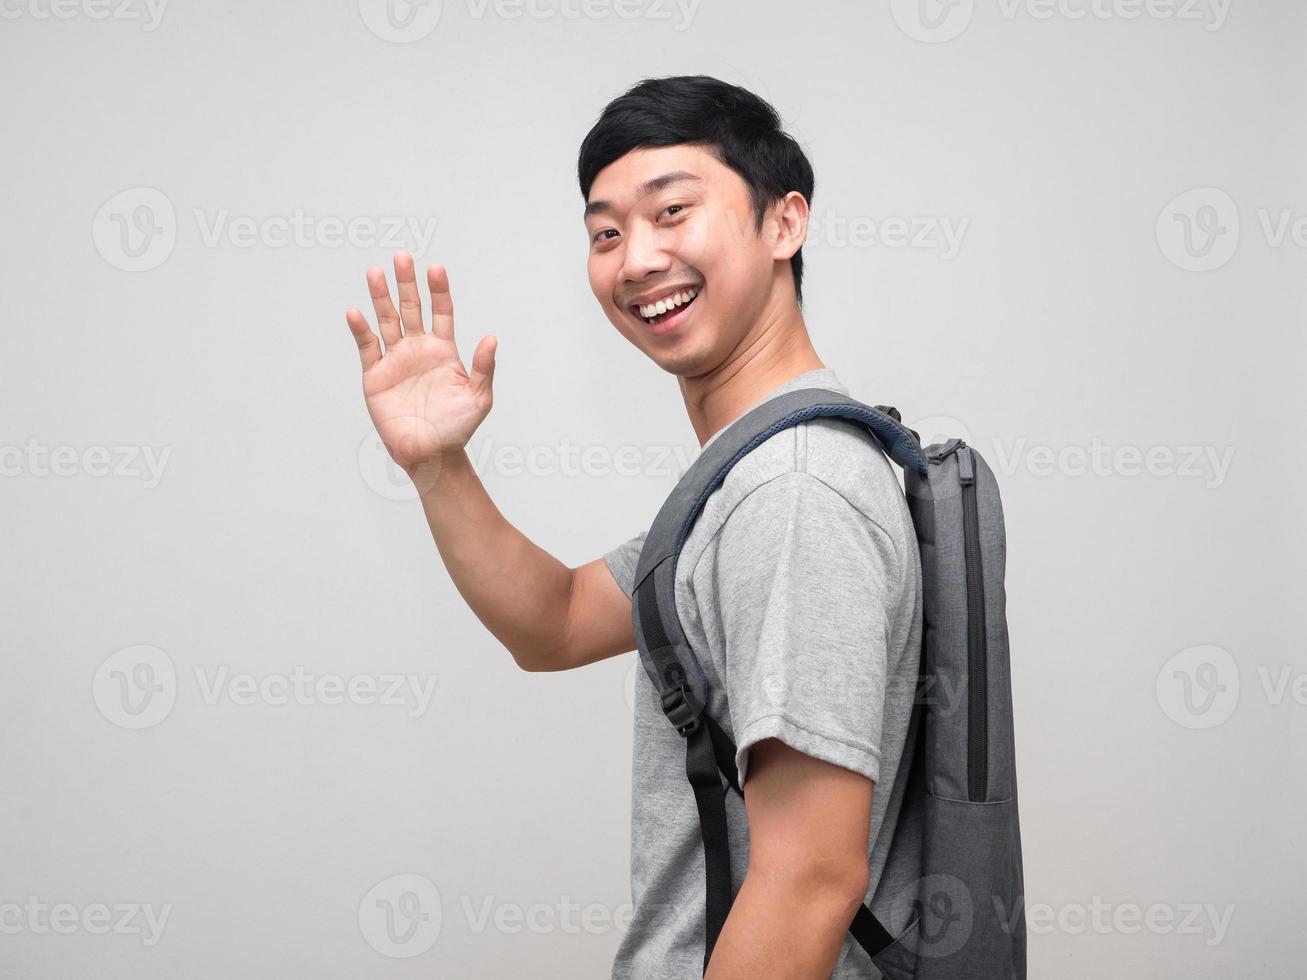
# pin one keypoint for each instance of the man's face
(674, 223)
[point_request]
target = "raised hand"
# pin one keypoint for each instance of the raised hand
(424, 403)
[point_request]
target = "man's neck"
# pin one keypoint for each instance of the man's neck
(773, 355)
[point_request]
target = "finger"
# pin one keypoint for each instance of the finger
(410, 303)
(387, 315)
(482, 375)
(369, 346)
(442, 303)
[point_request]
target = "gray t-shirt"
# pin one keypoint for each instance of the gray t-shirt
(800, 590)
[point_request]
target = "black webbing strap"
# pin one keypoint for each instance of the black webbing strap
(710, 755)
(701, 767)
(867, 930)
(724, 750)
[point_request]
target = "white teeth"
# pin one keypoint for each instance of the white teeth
(668, 303)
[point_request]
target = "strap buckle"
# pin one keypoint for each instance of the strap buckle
(679, 710)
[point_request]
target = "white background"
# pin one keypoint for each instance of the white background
(1073, 143)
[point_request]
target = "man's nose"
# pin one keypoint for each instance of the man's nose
(645, 252)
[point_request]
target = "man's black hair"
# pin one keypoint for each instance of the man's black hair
(743, 132)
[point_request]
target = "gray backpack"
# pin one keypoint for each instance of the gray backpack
(950, 902)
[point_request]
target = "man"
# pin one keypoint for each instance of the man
(799, 586)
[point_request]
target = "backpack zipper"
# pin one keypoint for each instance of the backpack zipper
(977, 685)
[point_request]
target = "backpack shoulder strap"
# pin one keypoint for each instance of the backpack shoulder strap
(670, 662)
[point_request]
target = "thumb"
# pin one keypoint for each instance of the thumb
(482, 375)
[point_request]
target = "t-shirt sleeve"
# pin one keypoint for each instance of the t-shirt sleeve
(622, 560)
(806, 586)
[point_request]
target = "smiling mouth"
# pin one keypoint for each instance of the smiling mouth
(667, 308)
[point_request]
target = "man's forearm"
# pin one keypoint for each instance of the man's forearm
(517, 589)
(784, 928)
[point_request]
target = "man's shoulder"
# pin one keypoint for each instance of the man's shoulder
(839, 454)
(827, 466)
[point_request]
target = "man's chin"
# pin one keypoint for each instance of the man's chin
(685, 360)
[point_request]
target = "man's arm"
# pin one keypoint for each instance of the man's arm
(548, 616)
(425, 405)
(807, 875)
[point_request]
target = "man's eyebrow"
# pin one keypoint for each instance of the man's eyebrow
(648, 187)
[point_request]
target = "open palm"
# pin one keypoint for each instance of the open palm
(424, 403)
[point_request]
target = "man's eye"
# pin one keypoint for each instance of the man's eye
(671, 209)
(599, 235)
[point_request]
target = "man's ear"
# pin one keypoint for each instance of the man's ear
(787, 225)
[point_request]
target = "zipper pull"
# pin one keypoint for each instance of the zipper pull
(966, 466)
